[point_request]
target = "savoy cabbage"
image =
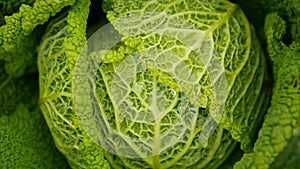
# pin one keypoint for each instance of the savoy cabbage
(179, 87)
(150, 84)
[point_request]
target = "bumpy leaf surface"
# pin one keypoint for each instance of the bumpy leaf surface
(18, 41)
(282, 119)
(181, 87)
(58, 51)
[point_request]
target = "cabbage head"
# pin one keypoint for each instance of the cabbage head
(166, 84)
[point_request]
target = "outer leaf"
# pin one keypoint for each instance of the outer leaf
(289, 158)
(17, 46)
(282, 119)
(59, 49)
(26, 141)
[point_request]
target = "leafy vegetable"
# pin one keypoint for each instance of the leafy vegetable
(16, 34)
(164, 84)
(58, 51)
(25, 140)
(190, 122)
(289, 158)
(14, 91)
(283, 116)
